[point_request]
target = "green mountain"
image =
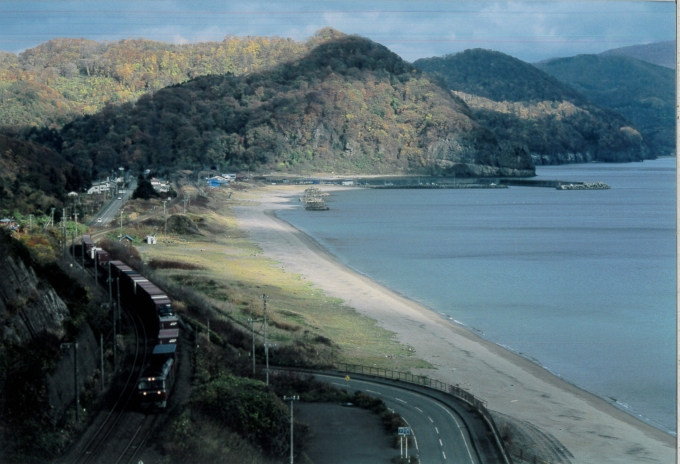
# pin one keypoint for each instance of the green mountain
(64, 78)
(642, 92)
(349, 106)
(659, 53)
(34, 178)
(528, 107)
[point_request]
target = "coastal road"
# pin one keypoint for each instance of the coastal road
(440, 434)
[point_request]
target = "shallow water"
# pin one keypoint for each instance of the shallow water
(583, 282)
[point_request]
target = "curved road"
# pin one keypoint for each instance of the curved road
(440, 433)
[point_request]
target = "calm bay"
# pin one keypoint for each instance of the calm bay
(581, 282)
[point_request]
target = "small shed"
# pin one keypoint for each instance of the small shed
(126, 238)
(151, 239)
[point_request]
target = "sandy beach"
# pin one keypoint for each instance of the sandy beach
(593, 430)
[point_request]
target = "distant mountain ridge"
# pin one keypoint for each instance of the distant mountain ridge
(659, 53)
(349, 106)
(530, 108)
(644, 93)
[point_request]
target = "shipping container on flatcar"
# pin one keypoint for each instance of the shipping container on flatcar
(168, 322)
(153, 302)
(168, 336)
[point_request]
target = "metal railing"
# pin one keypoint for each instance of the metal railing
(476, 403)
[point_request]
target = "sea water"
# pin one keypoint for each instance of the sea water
(582, 282)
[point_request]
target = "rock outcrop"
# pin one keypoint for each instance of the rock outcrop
(27, 305)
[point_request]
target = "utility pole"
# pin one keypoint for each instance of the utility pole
(75, 374)
(63, 223)
(110, 291)
(165, 221)
(73, 239)
(113, 312)
(121, 222)
(252, 326)
(30, 222)
(266, 346)
(118, 290)
(291, 399)
(101, 354)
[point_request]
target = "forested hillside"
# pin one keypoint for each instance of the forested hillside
(642, 92)
(63, 78)
(349, 106)
(530, 108)
(34, 178)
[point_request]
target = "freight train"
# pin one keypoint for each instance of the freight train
(154, 308)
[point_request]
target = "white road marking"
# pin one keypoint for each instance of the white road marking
(454, 419)
(413, 434)
(437, 430)
(418, 408)
(460, 429)
(440, 443)
(371, 391)
(401, 400)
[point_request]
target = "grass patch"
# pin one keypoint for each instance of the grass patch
(232, 273)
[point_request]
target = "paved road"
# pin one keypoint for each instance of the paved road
(440, 434)
(111, 210)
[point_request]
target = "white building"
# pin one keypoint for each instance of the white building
(99, 187)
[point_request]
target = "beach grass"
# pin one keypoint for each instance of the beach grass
(233, 274)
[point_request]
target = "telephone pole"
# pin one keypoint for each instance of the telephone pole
(291, 399)
(75, 374)
(252, 324)
(165, 220)
(63, 226)
(266, 346)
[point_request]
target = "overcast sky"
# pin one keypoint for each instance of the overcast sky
(529, 30)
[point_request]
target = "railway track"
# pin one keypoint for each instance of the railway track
(108, 431)
(116, 435)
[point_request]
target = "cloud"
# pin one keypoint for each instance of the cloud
(528, 30)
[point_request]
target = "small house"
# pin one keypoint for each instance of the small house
(8, 224)
(126, 239)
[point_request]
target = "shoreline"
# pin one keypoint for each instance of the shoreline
(592, 428)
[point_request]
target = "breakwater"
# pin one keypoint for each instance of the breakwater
(437, 186)
(556, 184)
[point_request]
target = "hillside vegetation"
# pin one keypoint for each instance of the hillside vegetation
(64, 78)
(34, 178)
(530, 108)
(642, 92)
(350, 106)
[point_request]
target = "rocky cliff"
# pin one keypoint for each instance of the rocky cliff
(36, 376)
(28, 306)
